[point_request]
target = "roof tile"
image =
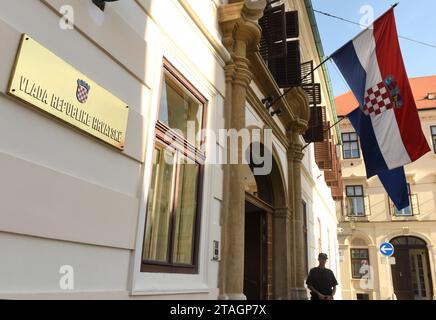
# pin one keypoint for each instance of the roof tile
(421, 87)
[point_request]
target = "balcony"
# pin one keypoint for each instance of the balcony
(409, 213)
(357, 209)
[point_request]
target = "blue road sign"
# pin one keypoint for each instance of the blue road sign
(386, 249)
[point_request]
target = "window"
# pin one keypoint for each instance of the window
(433, 137)
(362, 296)
(360, 263)
(406, 211)
(172, 223)
(350, 147)
(355, 201)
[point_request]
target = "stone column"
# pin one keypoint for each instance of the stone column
(300, 107)
(241, 33)
(282, 261)
(291, 196)
(299, 290)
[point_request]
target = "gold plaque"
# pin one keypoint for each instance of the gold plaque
(50, 84)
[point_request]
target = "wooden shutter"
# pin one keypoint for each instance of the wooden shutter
(278, 46)
(307, 72)
(273, 41)
(313, 91)
(286, 70)
(338, 192)
(316, 126)
(332, 176)
(292, 28)
(323, 150)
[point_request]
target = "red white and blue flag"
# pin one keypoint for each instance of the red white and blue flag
(387, 120)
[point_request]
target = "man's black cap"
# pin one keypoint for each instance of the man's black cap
(322, 256)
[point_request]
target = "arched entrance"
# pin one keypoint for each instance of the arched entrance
(263, 195)
(411, 275)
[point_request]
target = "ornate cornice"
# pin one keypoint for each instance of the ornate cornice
(238, 22)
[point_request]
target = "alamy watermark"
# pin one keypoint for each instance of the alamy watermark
(66, 281)
(245, 146)
(367, 18)
(67, 19)
(366, 272)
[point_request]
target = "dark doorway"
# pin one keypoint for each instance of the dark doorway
(411, 274)
(263, 193)
(255, 268)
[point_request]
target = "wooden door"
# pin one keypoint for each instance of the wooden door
(401, 275)
(420, 274)
(255, 255)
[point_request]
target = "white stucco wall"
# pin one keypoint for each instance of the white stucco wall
(320, 208)
(97, 223)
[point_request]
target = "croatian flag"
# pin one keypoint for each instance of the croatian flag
(386, 121)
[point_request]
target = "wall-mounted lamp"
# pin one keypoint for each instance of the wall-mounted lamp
(278, 111)
(101, 3)
(267, 102)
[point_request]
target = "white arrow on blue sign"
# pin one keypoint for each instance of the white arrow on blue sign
(387, 249)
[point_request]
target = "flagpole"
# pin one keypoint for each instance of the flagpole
(335, 124)
(269, 103)
(331, 55)
(392, 6)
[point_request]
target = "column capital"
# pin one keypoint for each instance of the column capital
(239, 23)
(295, 154)
(283, 213)
(295, 150)
(298, 100)
(298, 155)
(241, 36)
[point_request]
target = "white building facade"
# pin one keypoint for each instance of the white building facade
(80, 219)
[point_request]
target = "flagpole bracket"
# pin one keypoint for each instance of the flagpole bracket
(278, 112)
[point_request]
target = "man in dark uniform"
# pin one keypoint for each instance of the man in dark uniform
(321, 281)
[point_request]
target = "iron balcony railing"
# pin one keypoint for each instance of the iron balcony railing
(357, 207)
(410, 211)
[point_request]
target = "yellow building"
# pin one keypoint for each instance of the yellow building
(368, 218)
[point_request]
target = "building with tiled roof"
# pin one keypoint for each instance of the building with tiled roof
(367, 217)
(423, 88)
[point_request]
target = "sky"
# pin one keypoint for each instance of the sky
(415, 19)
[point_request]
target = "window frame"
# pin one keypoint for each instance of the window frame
(433, 137)
(182, 149)
(350, 142)
(397, 212)
(358, 259)
(354, 196)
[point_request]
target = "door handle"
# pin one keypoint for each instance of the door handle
(401, 274)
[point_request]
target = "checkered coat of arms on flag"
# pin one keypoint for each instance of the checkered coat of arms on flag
(82, 91)
(382, 97)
